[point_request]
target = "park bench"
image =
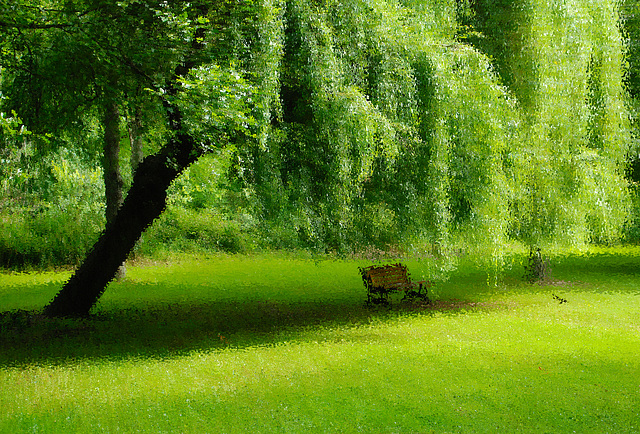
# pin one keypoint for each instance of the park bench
(383, 280)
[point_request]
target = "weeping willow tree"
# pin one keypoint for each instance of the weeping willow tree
(563, 62)
(386, 127)
(495, 119)
(382, 122)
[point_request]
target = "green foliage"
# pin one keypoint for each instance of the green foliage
(11, 128)
(391, 128)
(51, 212)
(203, 213)
(346, 124)
(630, 20)
(214, 101)
(571, 174)
(186, 230)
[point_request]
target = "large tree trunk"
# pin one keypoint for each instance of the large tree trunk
(145, 202)
(113, 183)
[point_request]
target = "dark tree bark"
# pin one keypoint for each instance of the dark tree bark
(145, 202)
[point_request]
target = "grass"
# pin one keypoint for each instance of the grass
(277, 343)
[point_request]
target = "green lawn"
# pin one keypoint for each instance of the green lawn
(277, 343)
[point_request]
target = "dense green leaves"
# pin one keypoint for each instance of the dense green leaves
(216, 103)
(368, 121)
(394, 128)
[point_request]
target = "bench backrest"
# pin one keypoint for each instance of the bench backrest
(386, 275)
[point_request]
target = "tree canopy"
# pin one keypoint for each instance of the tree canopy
(358, 121)
(504, 119)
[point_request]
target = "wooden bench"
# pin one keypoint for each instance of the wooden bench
(383, 280)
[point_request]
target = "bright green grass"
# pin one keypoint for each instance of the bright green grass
(284, 344)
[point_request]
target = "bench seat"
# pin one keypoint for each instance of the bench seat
(383, 280)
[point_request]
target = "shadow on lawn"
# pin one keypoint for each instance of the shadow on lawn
(169, 330)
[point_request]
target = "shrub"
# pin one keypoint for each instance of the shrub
(184, 229)
(56, 223)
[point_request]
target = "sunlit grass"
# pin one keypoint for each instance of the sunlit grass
(283, 343)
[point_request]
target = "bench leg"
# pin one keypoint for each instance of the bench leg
(379, 297)
(413, 294)
(423, 295)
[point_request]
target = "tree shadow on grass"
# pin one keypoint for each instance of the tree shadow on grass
(170, 330)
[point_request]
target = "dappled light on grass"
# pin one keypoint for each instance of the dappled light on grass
(263, 344)
(29, 290)
(171, 330)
